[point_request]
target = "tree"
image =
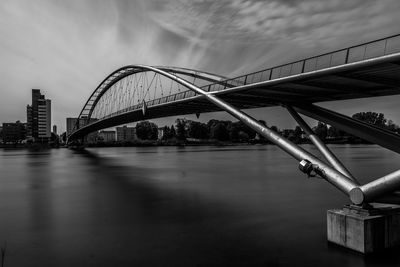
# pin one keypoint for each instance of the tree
(146, 130)
(297, 134)
(234, 132)
(377, 119)
(172, 132)
(180, 129)
(335, 133)
(166, 133)
(274, 128)
(243, 137)
(392, 127)
(321, 130)
(219, 132)
(197, 130)
(263, 122)
(236, 127)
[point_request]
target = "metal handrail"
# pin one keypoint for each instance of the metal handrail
(346, 59)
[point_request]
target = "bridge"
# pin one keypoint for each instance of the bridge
(138, 92)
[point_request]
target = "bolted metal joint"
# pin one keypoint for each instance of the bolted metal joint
(312, 170)
(307, 167)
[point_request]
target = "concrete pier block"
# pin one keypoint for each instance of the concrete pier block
(365, 230)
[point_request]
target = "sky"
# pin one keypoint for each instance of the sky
(66, 48)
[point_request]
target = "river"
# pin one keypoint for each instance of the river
(176, 206)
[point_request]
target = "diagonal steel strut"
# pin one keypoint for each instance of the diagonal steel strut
(326, 152)
(358, 128)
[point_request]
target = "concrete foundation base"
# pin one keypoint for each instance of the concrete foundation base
(366, 230)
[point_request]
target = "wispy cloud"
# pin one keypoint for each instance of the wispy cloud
(67, 47)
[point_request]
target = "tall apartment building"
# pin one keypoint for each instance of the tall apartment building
(39, 117)
(44, 118)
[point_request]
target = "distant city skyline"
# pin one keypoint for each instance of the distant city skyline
(66, 48)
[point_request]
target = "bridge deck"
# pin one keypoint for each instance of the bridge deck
(378, 77)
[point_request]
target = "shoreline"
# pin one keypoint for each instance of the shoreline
(148, 143)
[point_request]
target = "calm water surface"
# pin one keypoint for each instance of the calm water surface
(169, 206)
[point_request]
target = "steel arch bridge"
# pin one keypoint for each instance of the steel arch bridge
(132, 88)
(138, 92)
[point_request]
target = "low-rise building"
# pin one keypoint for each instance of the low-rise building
(106, 136)
(14, 132)
(72, 124)
(126, 134)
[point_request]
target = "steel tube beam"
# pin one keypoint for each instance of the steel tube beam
(358, 128)
(326, 152)
(375, 189)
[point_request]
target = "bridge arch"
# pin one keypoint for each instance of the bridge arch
(185, 82)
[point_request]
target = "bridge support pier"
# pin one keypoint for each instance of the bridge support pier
(365, 229)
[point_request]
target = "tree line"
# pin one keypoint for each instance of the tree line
(228, 131)
(373, 118)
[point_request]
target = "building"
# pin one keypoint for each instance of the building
(39, 117)
(29, 124)
(14, 132)
(72, 122)
(44, 119)
(106, 136)
(126, 134)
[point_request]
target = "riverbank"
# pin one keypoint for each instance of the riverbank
(210, 142)
(187, 142)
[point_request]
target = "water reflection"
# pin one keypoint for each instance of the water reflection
(172, 206)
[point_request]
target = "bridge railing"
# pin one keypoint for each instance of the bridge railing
(377, 48)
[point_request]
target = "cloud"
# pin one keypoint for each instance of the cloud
(67, 47)
(243, 21)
